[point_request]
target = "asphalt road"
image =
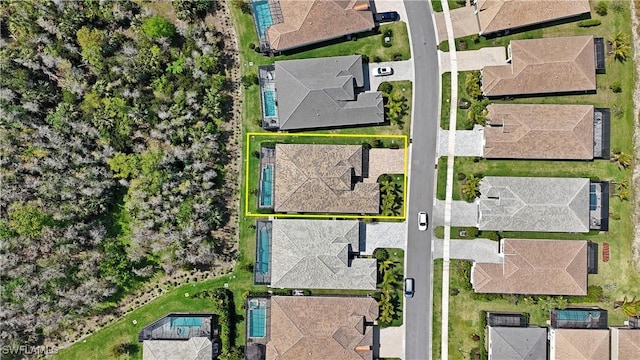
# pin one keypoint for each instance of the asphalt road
(421, 181)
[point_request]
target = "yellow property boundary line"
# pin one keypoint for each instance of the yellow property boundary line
(249, 135)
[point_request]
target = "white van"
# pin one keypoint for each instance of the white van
(408, 287)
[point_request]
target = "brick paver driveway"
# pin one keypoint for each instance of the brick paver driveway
(385, 161)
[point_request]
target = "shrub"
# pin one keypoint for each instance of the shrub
(252, 46)
(454, 291)
(589, 23)
(248, 80)
(461, 176)
(472, 232)
(386, 43)
(157, 27)
(464, 104)
(472, 84)
(616, 87)
(381, 254)
(601, 8)
(491, 235)
(377, 58)
(385, 87)
(242, 5)
(388, 33)
(475, 38)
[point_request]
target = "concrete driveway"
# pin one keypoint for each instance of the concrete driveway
(468, 142)
(474, 59)
(384, 161)
(402, 70)
(479, 250)
(463, 213)
(464, 23)
(391, 5)
(392, 342)
(384, 235)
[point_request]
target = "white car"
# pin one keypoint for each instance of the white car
(423, 221)
(382, 71)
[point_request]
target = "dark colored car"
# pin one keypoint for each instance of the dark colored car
(387, 16)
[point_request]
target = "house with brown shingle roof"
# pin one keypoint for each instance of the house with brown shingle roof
(578, 344)
(503, 16)
(314, 327)
(293, 23)
(625, 343)
(542, 66)
(523, 131)
(323, 179)
(535, 267)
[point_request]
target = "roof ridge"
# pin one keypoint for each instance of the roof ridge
(579, 122)
(568, 205)
(569, 263)
(303, 98)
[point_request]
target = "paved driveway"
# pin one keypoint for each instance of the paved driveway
(474, 59)
(479, 250)
(464, 23)
(384, 235)
(391, 5)
(402, 70)
(462, 213)
(392, 342)
(468, 142)
(385, 161)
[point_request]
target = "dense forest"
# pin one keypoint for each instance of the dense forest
(112, 154)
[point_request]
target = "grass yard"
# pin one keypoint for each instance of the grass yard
(436, 331)
(99, 345)
(461, 114)
(464, 311)
(453, 4)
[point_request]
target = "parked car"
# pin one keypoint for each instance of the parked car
(423, 221)
(408, 287)
(388, 16)
(382, 71)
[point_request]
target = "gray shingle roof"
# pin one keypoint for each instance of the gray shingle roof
(314, 254)
(317, 93)
(517, 343)
(534, 204)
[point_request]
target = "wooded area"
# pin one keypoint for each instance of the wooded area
(113, 155)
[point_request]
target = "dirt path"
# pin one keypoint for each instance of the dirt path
(635, 9)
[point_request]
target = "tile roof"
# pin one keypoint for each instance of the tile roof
(317, 93)
(315, 254)
(549, 65)
(307, 327)
(312, 21)
(580, 344)
(519, 131)
(196, 348)
(625, 343)
(322, 179)
(534, 204)
(517, 343)
(497, 15)
(535, 267)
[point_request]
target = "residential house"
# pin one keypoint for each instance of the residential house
(546, 66)
(288, 24)
(536, 131)
(314, 254)
(310, 327)
(538, 267)
(317, 93)
(625, 341)
(516, 343)
(500, 17)
(579, 334)
(574, 205)
(323, 179)
(181, 336)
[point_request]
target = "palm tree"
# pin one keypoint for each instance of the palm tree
(623, 159)
(623, 194)
(620, 45)
(385, 265)
(470, 188)
(630, 308)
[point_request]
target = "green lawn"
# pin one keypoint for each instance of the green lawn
(453, 4)
(461, 114)
(464, 311)
(99, 345)
(436, 331)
